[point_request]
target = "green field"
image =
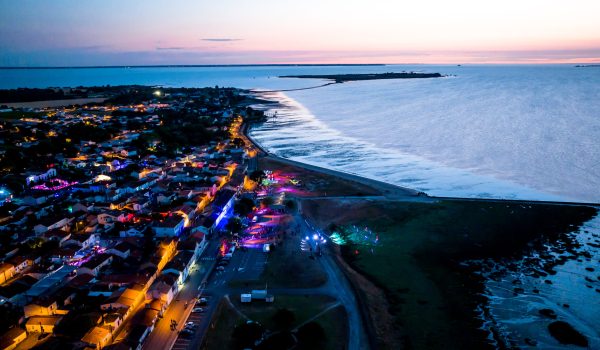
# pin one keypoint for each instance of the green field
(218, 336)
(304, 308)
(20, 114)
(420, 246)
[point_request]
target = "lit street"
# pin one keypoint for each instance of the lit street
(163, 337)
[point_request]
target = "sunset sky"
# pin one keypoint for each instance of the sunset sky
(131, 32)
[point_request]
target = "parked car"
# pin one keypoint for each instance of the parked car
(186, 333)
(198, 309)
(220, 268)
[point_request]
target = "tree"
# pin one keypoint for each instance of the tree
(284, 319)
(290, 204)
(238, 142)
(76, 325)
(244, 206)
(311, 336)
(234, 225)
(246, 334)
(257, 176)
(9, 316)
(267, 201)
(149, 246)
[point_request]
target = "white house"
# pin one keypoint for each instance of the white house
(164, 288)
(41, 177)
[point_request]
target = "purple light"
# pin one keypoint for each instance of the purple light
(61, 184)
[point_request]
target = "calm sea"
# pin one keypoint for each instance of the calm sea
(530, 132)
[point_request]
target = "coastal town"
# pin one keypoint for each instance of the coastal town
(145, 217)
(115, 215)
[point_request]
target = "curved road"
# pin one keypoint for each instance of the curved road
(338, 286)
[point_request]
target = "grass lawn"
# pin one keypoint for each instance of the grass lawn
(334, 321)
(420, 246)
(317, 184)
(224, 320)
(289, 267)
(303, 306)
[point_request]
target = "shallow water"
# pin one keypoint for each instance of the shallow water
(504, 132)
(568, 293)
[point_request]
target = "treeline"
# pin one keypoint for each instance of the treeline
(48, 94)
(29, 95)
(182, 129)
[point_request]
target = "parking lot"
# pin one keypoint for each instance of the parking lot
(200, 320)
(244, 265)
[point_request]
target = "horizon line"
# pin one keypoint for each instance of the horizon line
(299, 65)
(199, 65)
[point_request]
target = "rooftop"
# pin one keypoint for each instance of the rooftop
(51, 280)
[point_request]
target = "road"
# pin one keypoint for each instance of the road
(244, 265)
(248, 265)
(162, 337)
(338, 286)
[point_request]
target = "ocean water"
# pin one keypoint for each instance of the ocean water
(571, 293)
(526, 132)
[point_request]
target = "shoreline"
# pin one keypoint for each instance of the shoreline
(376, 301)
(387, 189)
(394, 191)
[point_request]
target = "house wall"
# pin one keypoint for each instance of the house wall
(16, 341)
(33, 326)
(39, 310)
(7, 274)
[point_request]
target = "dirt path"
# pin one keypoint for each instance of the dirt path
(323, 312)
